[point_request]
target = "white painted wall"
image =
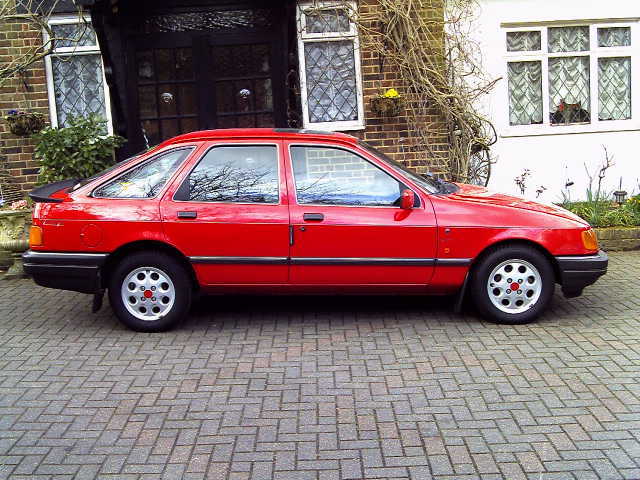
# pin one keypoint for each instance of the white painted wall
(556, 154)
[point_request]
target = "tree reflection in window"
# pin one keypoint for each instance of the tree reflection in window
(146, 180)
(332, 176)
(234, 174)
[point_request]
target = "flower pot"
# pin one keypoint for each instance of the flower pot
(24, 124)
(14, 239)
(386, 106)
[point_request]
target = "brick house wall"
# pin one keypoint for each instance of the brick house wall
(24, 92)
(391, 135)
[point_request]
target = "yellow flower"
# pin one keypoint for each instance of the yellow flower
(391, 93)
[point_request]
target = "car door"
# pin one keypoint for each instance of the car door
(347, 225)
(228, 213)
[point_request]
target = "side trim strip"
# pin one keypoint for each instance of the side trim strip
(241, 260)
(445, 262)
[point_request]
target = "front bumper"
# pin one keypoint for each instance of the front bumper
(78, 272)
(577, 272)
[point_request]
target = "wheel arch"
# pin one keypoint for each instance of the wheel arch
(141, 246)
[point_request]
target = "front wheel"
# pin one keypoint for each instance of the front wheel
(513, 285)
(150, 291)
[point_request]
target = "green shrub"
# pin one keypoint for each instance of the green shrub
(606, 213)
(78, 151)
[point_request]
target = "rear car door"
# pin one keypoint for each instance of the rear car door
(229, 214)
(348, 227)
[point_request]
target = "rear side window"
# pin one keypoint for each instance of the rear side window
(146, 180)
(234, 174)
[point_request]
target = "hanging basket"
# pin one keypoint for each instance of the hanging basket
(386, 106)
(24, 124)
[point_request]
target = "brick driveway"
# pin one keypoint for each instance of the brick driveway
(326, 388)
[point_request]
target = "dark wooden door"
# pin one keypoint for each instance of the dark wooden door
(185, 81)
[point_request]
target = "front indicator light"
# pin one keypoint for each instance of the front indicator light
(35, 236)
(589, 239)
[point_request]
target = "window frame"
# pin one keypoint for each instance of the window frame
(185, 178)
(116, 176)
(304, 37)
(594, 53)
(68, 52)
(418, 199)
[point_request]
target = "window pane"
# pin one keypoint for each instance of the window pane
(525, 93)
(568, 39)
(234, 174)
(614, 88)
(78, 87)
(523, 41)
(331, 81)
(146, 180)
(74, 35)
(332, 176)
(570, 100)
(614, 37)
(327, 20)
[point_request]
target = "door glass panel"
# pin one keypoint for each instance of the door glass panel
(151, 132)
(184, 64)
(264, 96)
(165, 64)
(146, 70)
(147, 100)
(265, 121)
(224, 97)
(333, 176)
(169, 128)
(239, 174)
(146, 180)
(187, 99)
(188, 125)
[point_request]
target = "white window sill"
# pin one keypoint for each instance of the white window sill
(576, 129)
(335, 126)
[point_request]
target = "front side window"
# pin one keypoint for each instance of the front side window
(569, 75)
(329, 66)
(74, 71)
(332, 176)
(145, 180)
(235, 174)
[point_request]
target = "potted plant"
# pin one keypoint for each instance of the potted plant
(388, 103)
(15, 222)
(24, 124)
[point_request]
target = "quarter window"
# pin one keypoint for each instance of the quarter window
(569, 75)
(330, 66)
(332, 176)
(239, 174)
(146, 180)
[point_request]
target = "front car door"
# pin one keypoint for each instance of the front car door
(229, 215)
(348, 227)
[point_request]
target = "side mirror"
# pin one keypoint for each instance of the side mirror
(407, 199)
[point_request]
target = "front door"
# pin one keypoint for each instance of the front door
(348, 228)
(217, 71)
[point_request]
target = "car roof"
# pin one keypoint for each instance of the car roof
(260, 133)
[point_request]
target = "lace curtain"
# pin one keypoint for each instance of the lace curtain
(614, 88)
(525, 93)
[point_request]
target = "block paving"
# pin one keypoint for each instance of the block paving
(322, 388)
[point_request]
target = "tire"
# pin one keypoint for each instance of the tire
(499, 271)
(150, 291)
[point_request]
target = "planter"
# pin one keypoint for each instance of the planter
(24, 124)
(14, 239)
(386, 106)
(616, 239)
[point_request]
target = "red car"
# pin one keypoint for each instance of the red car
(296, 211)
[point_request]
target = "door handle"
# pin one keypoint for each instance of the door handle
(187, 214)
(313, 217)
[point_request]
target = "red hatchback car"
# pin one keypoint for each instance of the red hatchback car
(295, 211)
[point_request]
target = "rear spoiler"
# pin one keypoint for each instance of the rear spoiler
(43, 194)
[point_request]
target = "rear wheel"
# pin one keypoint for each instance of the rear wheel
(150, 291)
(513, 284)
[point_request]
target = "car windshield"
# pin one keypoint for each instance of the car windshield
(431, 185)
(85, 181)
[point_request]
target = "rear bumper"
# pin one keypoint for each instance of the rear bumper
(577, 272)
(78, 272)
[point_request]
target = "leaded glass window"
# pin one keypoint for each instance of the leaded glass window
(75, 73)
(578, 74)
(329, 60)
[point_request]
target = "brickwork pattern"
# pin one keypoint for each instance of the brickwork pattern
(322, 388)
(26, 92)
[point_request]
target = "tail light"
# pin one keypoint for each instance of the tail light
(589, 239)
(36, 238)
